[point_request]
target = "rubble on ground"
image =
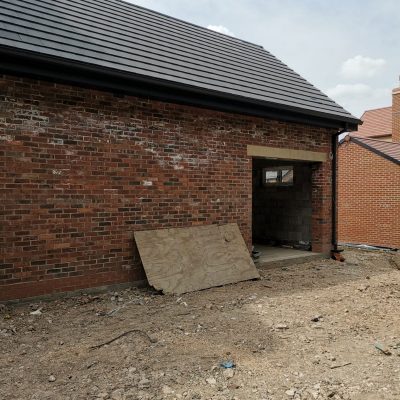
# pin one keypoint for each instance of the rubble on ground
(314, 331)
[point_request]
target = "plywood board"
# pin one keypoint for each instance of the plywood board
(180, 260)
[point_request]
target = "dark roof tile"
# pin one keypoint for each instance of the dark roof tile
(122, 36)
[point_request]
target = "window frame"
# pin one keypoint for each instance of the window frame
(279, 182)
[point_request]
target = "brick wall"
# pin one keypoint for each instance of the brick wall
(368, 197)
(82, 169)
(396, 115)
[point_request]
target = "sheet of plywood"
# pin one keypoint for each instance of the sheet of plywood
(180, 260)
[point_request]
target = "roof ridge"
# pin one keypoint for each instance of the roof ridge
(375, 109)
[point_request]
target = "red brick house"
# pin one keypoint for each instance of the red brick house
(115, 118)
(377, 124)
(369, 180)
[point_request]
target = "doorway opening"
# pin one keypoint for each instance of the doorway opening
(282, 210)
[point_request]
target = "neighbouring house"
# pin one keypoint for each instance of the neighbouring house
(115, 118)
(369, 179)
(377, 124)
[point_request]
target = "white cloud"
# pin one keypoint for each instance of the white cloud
(221, 29)
(359, 97)
(362, 67)
(356, 90)
(345, 90)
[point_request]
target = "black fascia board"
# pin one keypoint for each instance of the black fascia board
(370, 148)
(20, 62)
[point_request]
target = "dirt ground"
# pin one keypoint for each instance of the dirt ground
(307, 331)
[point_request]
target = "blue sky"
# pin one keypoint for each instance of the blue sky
(348, 49)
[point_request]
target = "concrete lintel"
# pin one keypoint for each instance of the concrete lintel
(285, 154)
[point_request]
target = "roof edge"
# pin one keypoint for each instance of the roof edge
(375, 109)
(376, 136)
(370, 148)
(89, 75)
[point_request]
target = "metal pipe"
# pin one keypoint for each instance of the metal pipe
(334, 146)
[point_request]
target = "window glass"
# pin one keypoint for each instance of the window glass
(278, 176)
(271, 176)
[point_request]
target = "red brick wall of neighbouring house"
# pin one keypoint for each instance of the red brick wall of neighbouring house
(368, 197)
(82, 169)
(396, 115)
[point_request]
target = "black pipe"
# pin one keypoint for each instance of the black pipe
(334, 146)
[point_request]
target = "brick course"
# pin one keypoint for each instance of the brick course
(82, 169)
(368, 197)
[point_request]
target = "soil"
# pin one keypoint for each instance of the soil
(318, 330)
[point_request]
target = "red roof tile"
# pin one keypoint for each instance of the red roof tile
(389, 150)
(376, 122)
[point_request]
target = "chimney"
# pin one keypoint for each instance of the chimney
(396, 115)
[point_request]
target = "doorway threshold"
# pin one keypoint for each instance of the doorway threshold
(271, 256)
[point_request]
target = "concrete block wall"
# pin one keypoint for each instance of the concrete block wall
(282, 213)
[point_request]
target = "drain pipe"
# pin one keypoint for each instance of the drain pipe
(335, 252)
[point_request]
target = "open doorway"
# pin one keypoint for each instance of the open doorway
(282, 209)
